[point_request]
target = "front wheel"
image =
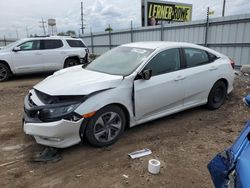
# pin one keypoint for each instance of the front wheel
(4, 72)
(106, 126)
(217, 95)
(71, 62)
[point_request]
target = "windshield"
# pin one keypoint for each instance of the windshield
(119, 61)
(11, 44)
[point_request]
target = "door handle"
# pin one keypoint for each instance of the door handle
(179, 78)
(213, 68)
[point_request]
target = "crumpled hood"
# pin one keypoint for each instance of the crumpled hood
(77, 81)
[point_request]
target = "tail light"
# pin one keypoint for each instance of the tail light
(232, 63)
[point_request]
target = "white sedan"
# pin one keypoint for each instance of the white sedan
(129, 85)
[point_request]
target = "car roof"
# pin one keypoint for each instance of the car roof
(53, 37)
(160, 44)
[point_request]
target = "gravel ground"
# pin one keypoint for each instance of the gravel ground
(184, 143)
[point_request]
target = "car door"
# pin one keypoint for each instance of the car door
(200, 74)
(53, 54)
(164, 91)
(29, 58)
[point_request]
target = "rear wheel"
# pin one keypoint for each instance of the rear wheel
(4, 72)
(217, 95)
(106, 126)
(71, 62)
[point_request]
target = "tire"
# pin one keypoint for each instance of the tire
(71, 62)
(106, 126)
(217, 95)
(5, 72)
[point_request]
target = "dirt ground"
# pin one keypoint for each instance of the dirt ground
(184, 143)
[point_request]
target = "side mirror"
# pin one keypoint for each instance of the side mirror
(16, 49)
(146, 74)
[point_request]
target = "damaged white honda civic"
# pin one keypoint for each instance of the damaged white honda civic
(129, 85)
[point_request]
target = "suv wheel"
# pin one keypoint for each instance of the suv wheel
(106, 126)
(4, 72)
(71, 62)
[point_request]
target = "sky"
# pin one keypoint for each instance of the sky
(19, 18)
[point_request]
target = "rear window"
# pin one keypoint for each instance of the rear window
(212, 57)
(52, 44)
(75, 43)
(196, 57)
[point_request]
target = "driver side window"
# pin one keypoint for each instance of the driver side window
(30, 45)
(164, 62)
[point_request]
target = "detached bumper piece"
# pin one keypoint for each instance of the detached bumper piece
(231, 168)
(48, 154)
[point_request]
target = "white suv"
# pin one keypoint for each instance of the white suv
(41, 54)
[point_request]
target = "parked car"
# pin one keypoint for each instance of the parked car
(129, 85)
(231, 168)
(43, 54)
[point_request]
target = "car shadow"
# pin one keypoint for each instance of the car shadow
(29, 76)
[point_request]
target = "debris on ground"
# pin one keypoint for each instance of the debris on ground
(140, 153)
(125, 176)
(8, 163)
(154, 166)
(245, 69)
(48, 154)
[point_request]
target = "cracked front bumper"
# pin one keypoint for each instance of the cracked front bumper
(59, 134)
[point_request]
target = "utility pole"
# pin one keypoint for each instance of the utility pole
(17, 36)
(4, 38)
(82, 26)
(131, 30)
(43, 26)
(223, 9)
(27, 32)
(207, 25)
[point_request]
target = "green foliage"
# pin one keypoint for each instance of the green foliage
(68, 33)
(109, 29)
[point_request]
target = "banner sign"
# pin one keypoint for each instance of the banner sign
(167, 11)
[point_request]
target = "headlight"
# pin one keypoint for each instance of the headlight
(58, 113)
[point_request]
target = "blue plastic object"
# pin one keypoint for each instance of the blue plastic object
(236, 158)
(247, 100)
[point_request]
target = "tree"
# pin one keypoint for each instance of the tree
(71, 33)
(109, 29)
(61, 34)
(68, 33)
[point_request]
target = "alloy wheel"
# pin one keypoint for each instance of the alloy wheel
(107, 127)
(3, 73)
